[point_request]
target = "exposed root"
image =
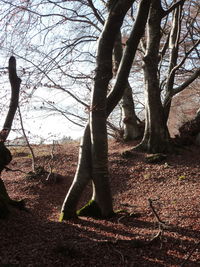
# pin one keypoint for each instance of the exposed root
(65, 216)
(91, 209)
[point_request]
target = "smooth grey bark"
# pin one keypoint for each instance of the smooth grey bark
(175, 64)
(130, 122)
(132, 130)
(174, 38)
(156, 135)
(93, 158)
(82, 177)
(85, 172)
(128, 56)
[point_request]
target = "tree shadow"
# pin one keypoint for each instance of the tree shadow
(30, 238)
(36, 239)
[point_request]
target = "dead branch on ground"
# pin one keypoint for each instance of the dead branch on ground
(190, 254)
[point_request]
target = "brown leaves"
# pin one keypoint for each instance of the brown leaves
(37, 239)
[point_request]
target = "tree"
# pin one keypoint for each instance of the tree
(5, 155)
(68, 60)
(156, 137)
(93, 158)
(64, 62)
(130, 120)
(52, 40)
(190, 131)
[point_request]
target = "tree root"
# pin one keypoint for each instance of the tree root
(65, 216)
(91, 209)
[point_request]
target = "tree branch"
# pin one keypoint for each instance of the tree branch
(128, 56)
(95, 11)
(184, 58)
(175, 5)
(190, 254)
(186, 83)
(15, 82)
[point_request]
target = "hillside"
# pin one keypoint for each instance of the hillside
(36, 238)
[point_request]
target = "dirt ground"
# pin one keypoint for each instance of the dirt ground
(36, 238)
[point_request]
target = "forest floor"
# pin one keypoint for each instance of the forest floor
(36, 238)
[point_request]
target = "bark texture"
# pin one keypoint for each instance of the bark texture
(93, 159)
(130, 122)
(5, 155)
(132, 130)
(173, 49)
(156, 137)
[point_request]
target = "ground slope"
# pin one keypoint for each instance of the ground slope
(38, 239)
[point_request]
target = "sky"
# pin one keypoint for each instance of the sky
(40, 34)
(39, 124)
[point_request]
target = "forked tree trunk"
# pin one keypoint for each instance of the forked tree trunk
(93, 156)
(93, 159)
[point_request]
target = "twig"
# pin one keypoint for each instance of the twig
(140, 243)
(49, 163)
(121, 255)
(190, 254)
(50, 172)
(14, 170)
(52, 150)
(161, 223)
(27, 141)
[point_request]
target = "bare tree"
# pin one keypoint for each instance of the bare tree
(93, 158)
(68, 61)
(5, 155)
(69, 32)
(131, 129)
(157, 54)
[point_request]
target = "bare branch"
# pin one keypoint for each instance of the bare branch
(180, 88)
(15, 82)
(174, 6)
(95, 11)
(190, 254)
(184, 59)
(27, 141)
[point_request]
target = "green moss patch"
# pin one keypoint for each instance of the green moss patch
(64, 216)
(91, 209)
(155, 158)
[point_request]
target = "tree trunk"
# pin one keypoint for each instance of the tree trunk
(156, 137)
(4, 201)
(81, 179)
(173, 49)
(93, 158)
(130, 122)
(5, 155)
(132, 130)
(15, 82)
